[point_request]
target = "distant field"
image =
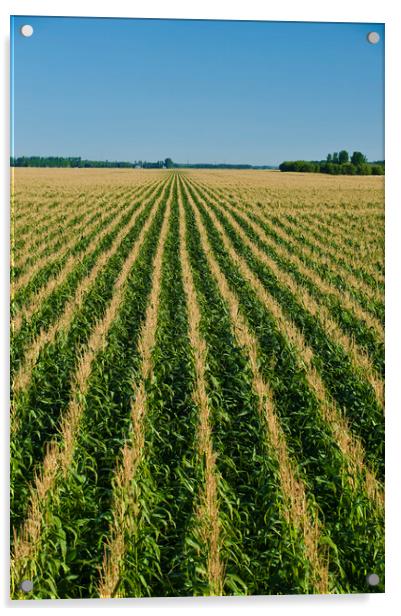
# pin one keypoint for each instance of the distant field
(197, 367)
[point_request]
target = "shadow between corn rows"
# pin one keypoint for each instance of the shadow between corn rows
(345, 318)
(353, 394)
(323, 234)
(157, 562)
(353, 529)
(375, 307)
(23, 295)
(262, 553)
(78, 515)
(108, 197)
(350, 219)
(52, 307)
(39, 408)
(301, 221)
(40, 230)
(95, 203)
(93, 207)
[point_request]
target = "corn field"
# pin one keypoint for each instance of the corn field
(197, 365)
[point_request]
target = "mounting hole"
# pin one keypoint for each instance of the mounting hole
(373, 37)
(27, 586)
(373, 579)
(26, 30)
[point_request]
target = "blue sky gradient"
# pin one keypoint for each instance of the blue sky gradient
(197, 91)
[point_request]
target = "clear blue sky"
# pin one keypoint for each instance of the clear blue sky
(198, 91)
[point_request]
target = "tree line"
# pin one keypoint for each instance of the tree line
(338, 163)
(77, 161)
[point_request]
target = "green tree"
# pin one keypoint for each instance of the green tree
(364, 169)
(335, 157)
(358, 158)
(348, 169)
(329, 158)
(343, 157)
(168, 163)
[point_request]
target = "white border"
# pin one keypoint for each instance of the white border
(308, 10)
(294, 10)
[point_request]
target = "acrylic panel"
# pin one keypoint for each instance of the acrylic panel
(197, 336)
